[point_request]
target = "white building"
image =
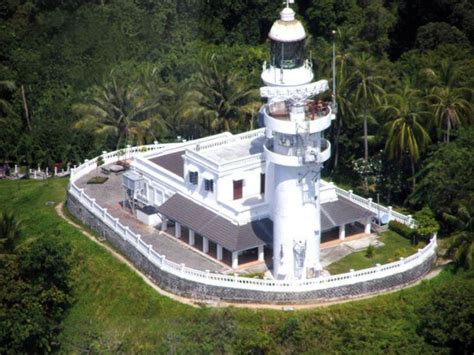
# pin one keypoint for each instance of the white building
(258, 195)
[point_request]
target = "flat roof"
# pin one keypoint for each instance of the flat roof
(235, 150)
(217, 228)
(172, 162)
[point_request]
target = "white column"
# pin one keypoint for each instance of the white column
(342, 232)
(389, 213)
(219, 252)
(367, 226)
(164, 224)
(205, 245)
(55, 171)
(177, 230)
(261, 256)
(235, 259)
(191, 237)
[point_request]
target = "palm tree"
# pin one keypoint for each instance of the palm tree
(220, 98)
(450, 108)
(124, 111)
(462, 246)
(406, 134)
(365, 85)
(10, 232)
(345, 111)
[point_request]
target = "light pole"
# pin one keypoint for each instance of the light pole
(334, 102)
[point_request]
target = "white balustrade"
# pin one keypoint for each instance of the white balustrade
(375, 207)
(190, 274)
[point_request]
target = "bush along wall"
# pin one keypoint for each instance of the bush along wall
(403, 230)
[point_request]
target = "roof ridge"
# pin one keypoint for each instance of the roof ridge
(208, 222)
(327, 215)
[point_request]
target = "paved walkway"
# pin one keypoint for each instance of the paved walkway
(110, 194)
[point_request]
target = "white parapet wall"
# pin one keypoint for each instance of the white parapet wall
(236, 282)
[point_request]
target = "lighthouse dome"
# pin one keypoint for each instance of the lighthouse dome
(287, 28)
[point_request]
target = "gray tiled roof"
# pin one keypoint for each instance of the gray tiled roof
(234, 237)
(216, 228)
(342, 211)
(173, 162)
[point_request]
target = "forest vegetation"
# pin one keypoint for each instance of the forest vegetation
(81, 77)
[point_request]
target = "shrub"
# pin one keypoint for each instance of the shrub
(370, 251)
(100, 161)
(402, 229)
(254, 275)
(97, 180)
(426, 224)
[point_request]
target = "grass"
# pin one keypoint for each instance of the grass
(395, 247)
(115, 311)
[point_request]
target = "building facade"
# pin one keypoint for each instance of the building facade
(258, 195)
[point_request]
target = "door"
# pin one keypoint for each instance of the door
(238, 186)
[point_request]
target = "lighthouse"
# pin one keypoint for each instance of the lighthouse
(294, 149)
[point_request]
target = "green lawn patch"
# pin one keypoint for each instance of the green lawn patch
(395, 247)
(116, 312)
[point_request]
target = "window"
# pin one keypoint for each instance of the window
(238, 185)
(193, 177)
(209, 185)
(262, 183)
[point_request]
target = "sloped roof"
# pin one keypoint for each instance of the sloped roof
(342, 211)
(217, 228)
(253, 234)
(173, 162)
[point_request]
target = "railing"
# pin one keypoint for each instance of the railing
(195, 152)
(376, 208)
(213, 279)
(122, 154)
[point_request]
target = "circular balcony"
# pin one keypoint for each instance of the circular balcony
(312, 123)
(297, 156)
(273, 76)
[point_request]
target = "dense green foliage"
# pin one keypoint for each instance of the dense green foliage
(35, 290)
(82, 77)
(426, 223)
(115, 311)
(447, 320)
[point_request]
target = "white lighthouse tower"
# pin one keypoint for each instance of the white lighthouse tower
(294, 150)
